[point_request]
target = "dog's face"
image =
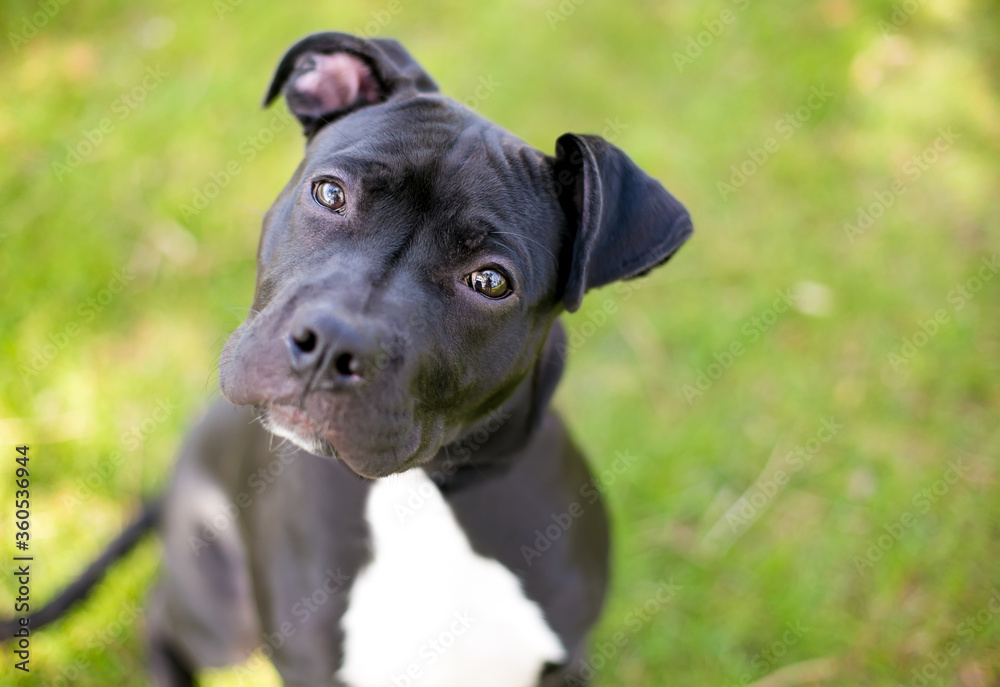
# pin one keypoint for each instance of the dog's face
(410, 271)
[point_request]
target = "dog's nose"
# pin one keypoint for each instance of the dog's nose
(323, 344)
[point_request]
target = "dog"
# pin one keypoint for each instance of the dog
(384, 497)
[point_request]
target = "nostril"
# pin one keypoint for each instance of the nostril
(305, 340)
(346, 364)
(327, 347)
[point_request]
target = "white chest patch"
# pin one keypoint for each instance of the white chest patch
(428, 611)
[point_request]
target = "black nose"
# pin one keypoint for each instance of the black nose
(324, 344)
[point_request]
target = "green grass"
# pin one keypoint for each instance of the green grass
(629, 385)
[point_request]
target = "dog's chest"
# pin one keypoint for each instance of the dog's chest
(428, 611)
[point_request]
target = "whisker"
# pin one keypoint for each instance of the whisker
(528, 238)
(253, 310)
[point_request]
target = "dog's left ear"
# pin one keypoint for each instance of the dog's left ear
(622, 222)
(327, 75)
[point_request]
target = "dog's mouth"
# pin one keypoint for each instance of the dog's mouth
(376, 423)
(397, 443)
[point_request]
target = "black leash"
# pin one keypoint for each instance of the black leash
(79, 588)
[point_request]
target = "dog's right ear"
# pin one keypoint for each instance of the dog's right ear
(622, 222)
(327, 75)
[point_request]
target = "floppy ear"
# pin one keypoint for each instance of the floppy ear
(327, 75)
(622, 222)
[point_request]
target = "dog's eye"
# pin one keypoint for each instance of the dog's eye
(490, 282)
(330, 194)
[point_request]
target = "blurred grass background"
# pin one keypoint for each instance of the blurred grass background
(103, 390)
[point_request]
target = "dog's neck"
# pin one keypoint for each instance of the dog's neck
(492, 445)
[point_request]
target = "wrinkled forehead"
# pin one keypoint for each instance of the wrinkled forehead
(419, 125)
(434, 174)
(430, 144)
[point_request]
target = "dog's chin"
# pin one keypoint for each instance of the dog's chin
(367, 454)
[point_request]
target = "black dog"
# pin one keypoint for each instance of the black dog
(404, 339)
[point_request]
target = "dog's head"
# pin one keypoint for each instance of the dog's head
(411, 270)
